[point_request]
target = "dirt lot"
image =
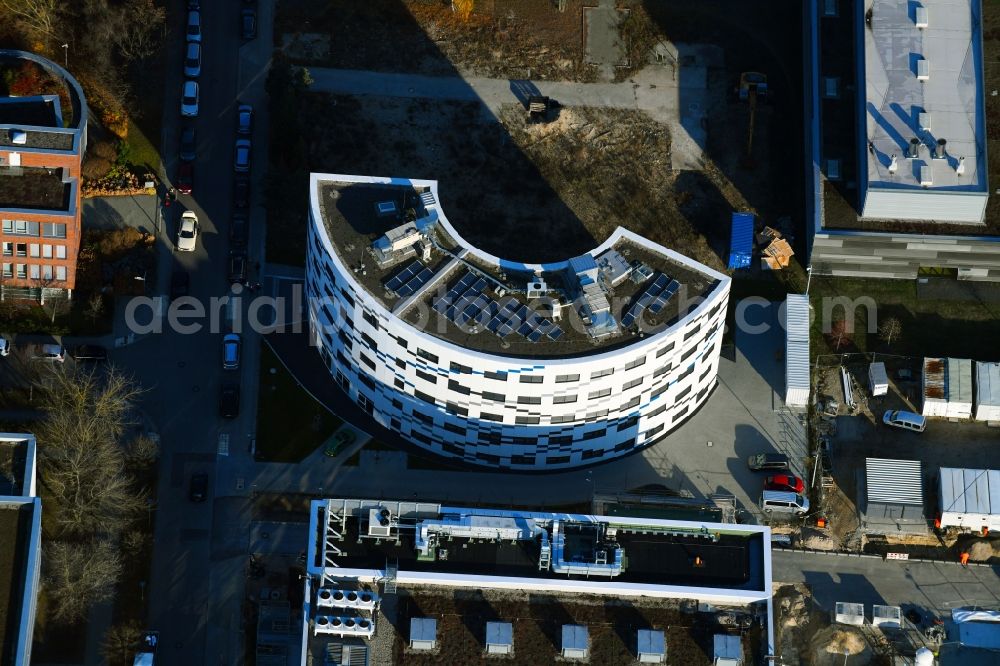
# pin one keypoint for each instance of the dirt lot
(537, 621)
(501, 38)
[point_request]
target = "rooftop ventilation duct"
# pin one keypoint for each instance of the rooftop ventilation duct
(926, 177)
(18, 137)
(924, 119)
(913, 152)
(920, 17)
(923, 70)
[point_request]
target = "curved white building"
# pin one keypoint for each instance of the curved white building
(500, 363)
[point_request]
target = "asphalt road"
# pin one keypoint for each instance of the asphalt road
(198, 546)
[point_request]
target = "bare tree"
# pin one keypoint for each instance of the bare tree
(79, 575)
(120, 642)
(140, 29)
(82, 463)
(41, 19)
(54, 306)
(142, 451)
(891, 329)
(95, 306)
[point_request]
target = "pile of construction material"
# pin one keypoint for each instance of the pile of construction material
(776, 253)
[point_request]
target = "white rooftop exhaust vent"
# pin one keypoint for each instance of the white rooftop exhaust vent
(920, 17)
(893, 165)
(914, 150)
(924, 119)
(537, 288)
(940, 152)
(926, 177)
(960, 167)
(923, 70)
(18, 137)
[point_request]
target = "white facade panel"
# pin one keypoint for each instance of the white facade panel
(797, 377)
(961, 207)
(443, 397)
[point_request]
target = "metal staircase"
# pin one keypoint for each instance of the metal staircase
(389, 581)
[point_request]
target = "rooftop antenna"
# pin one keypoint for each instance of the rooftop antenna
(893, 165)
(960, 167)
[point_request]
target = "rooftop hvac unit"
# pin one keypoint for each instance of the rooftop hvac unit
(575, 641)
(923, 70)
(537, 289)
(336, 598)
(926, 176)
(920, 17)
(385, 208)
(380, 522)
(651, 646)
(335, 625)
(499, 638)
(18, 137)
(423, 633)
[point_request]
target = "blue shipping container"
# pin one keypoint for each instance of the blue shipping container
(741, 244)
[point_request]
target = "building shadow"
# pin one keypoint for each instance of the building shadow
(627, 620)
(852, 588)
(550, 615)
(475, 612)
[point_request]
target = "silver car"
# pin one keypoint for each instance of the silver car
(192, 60)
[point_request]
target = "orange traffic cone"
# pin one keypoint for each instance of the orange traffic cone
(964, 559)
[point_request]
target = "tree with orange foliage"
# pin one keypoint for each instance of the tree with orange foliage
(463, 8)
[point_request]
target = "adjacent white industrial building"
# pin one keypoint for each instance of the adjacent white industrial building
(969, 498)
(797, 376)
(924, 113)
(987, 391)
(500, 363)
(947, 385)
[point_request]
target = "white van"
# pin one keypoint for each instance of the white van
(777, 501)
(897, 418)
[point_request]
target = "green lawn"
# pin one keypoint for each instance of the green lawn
(966, 326)
(142, 149)
(290, 424)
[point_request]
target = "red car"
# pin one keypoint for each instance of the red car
(785, 482)
(185, 177)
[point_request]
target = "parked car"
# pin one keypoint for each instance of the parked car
(189, 99)
(244, 119)
(229, 401)
(4, 347)
(180, 284)
(187, 232)
(767, 461)
(241, 192)
(772, 501)
(192, 60)
(231, 345)
(198, 491)
(185, 177)
(50, 352)
(238, 231)
(237, 268)
(248, 23)
(785, 482)
(193, 31)
(241, 156)
(89, 353)
(188, 144)
(898, 418)
(341, 439)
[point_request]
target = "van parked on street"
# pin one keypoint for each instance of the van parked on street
(897, 418)
(776, 501)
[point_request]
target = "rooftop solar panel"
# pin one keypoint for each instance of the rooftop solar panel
(534, 336)
(555, 333)
(525, 329)
(628, 319)
(505, 330)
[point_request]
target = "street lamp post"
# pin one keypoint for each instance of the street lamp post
(65, 48)
(809, 276)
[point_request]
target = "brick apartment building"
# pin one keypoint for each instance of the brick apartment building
(41, 151)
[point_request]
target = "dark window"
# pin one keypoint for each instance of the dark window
(526, 420)
(634, 402)
(590, 455)
(602, 373)
(563, 418)
(499, 376)
(531, 379)
(425, 397)
(662, 370)
(659, 391)
(395, 424)
(707, 372)
(426, 418)
(53, 230)
(562, 379)
(681, 412)
(401, 342)
(630, 422)
(488, 458)
(656, 412)
(603, 393)
(599, 414)
(427, 377)
(347, 297)
(420, 437)
(688, 353)
(495, 397)
(367, 361)
(458, 367)
(664, 350)
(714, 310)
(522, 460)
(556, 460)
(632, 384)
(563, 399)
(427, 355)
(367, 381)
(560, 439)
(343, 359)
(528, 400)
(456, 409)
(693, 332)
(489, 437)
(683, 393)
(486, 416)
(398, 383)
(370, 318)
(595, 434)
(345, 338)
(458, 388)
(625, 445)
(687, 372)
(654, 431)
(451, 427)
(452, 449)
(701, 394)
(368, 340)
(524, 440)
(636, 363)
(397, 404)
(401, 364)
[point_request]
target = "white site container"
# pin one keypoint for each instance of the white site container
(878, 380)
(987, 392)
(969, 498)
(947, 388)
